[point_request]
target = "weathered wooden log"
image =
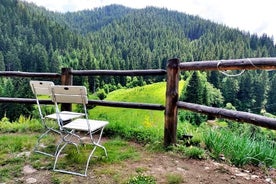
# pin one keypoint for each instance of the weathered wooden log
(23, 100)
(90, 102)
(230, 114)
(119, 72)
(171, 100)
(231, 64)
(127, 105)
(28, 74)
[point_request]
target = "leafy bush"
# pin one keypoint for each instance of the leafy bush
(23, 124)
(142, 179)
(101, 94)
(194, 152)
(190, 152)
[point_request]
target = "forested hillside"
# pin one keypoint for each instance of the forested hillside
(116, 37)
(31, 41)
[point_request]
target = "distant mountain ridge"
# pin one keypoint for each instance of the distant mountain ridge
(119, 38)
(93, 20)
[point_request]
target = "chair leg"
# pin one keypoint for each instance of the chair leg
(66, 139)
(88, 160)
(66, 171)
(58, 145)
(38, 142)
(91, 154)
(57, 155)
(97, 143)
(41, 137)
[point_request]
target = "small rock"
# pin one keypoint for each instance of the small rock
(180, 169)
(31, 180)
(269, 180)
(233, 177)
(254, 177)
(221, 156)
(27, 169)
(27, 154)
(244, 175)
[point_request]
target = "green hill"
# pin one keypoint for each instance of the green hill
(149, 124)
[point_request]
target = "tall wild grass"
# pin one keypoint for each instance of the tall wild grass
(240, 149)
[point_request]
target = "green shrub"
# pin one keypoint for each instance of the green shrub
(101, 94)
(195, 152)
(23, 124)
(190, 152)
(174, 179)
(142, 179)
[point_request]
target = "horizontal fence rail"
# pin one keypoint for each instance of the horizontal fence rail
(230, 114)
(28, 74)
(118, 72)
(231, 64)
(131, 105)
(128, 105)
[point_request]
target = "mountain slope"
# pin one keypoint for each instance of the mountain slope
(115, 37)
(89, 21)
(29, 38)
(147, 38)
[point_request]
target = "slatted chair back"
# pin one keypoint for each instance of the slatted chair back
(70, 94)
(41, 88)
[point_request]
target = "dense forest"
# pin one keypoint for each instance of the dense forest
(116, 37)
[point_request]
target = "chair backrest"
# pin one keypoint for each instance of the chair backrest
(41, 87)
(69, 94)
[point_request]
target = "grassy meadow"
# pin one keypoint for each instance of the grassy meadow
(234, 141)
(142, 125)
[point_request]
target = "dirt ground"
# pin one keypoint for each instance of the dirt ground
(161, 166)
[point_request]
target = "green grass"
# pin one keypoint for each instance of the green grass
(143, 125)
(173, 178)
(118, 150)
(10, 146)
(12, 163)
(240, 149)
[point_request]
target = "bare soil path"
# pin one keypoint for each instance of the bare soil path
(161, 166)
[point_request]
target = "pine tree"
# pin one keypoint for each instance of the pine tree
(2, 63)
(271, 100)
(194, 90)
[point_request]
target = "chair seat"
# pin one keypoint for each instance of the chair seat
(65, 115)
(81, 124)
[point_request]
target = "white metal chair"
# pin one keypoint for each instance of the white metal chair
(42, 90)
(78, 127)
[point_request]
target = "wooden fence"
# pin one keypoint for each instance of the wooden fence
(174, 67)
(172, 103)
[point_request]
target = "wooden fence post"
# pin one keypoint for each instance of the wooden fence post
(170, 128)
(66, 79)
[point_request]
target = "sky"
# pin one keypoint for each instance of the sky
(254, 16)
